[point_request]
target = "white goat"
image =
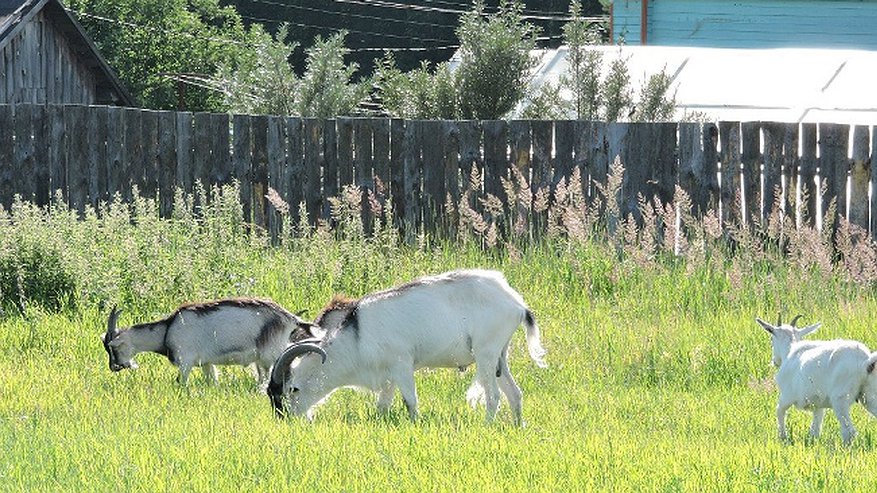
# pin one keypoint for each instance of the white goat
(230, 331)
(816, 375)
(449, 320)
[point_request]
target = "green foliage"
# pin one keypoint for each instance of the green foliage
(418, 94)
(266, 84)
(495, 61)
(545, 104)
(617, 97)
(152, 40)
(33, 271)
(326, 89)
(583, 75)
(655, 102)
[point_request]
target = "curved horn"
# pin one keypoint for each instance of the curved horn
(795, 320)
(111, 323)
(281, 366)
(779, 318)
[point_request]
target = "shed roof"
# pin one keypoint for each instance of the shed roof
(16, 13)
(782, 84)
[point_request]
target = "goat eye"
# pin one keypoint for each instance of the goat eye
(294, 390)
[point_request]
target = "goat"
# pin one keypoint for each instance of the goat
(816, 375)
(450, 320)
(229, 331)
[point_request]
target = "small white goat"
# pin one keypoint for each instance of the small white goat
(816, 375)
(236, 331)
(377, 342)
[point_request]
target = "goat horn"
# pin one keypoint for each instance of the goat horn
(779, 319)
(795, 320)
(111, 323)
(281, 366)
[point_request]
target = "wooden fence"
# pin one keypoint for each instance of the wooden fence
(92, 152)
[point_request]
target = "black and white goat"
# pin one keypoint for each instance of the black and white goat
(236, 331)
(376, 342)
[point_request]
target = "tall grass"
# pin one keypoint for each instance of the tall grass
(659, 378)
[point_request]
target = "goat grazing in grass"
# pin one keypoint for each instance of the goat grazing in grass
(816, 375)
(237, 331)
(376, 342)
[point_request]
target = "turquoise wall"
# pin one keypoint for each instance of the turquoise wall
(750, 23)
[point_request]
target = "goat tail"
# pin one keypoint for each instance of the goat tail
(870, 364)
(534, 344)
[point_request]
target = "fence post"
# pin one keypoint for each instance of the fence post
(313, 147)
(773, 134)
(873, 163)
(149, 139)
(167, 162)
(729, 136)
(698, 165)
(23, 174)
(58, 150)
(751, 157)
(834, 165)
(860, 177)
(259, 129)
(42, 191)
(77, 156)
(242, 161)
(277, 172)
(809, 193)
(294, 191)
(433, 175)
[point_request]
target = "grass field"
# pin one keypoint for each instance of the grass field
(659, 379)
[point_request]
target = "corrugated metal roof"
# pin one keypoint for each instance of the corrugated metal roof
(783, 84)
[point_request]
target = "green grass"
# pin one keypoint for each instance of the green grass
(659, 380)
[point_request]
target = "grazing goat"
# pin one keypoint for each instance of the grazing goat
(449, 320)
(816, 375)
(230, 331)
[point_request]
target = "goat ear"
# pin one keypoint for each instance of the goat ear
(768, 327)
(809, 329)
(312, 329)
(115, 343)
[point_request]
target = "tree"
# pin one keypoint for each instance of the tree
(495, 60)
(262, 84)
(655, 103)
(266, 83)
(151, 42)
(583, 76)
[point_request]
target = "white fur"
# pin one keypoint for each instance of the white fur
(227, 334)
(449, 320)
(816, 375)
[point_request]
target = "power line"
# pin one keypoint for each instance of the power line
(370, 33)
(350, 14)
(423, 8)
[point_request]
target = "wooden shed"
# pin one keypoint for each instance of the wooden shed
(46, 57)
(847, 24)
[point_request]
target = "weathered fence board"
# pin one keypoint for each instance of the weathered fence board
(860, 177)
(751, 157)
(809, 192)
(729, 136)
(293, 192)
(41, 175)
(92, 153)
(313, 153)
(242, 152)
(167, 161)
